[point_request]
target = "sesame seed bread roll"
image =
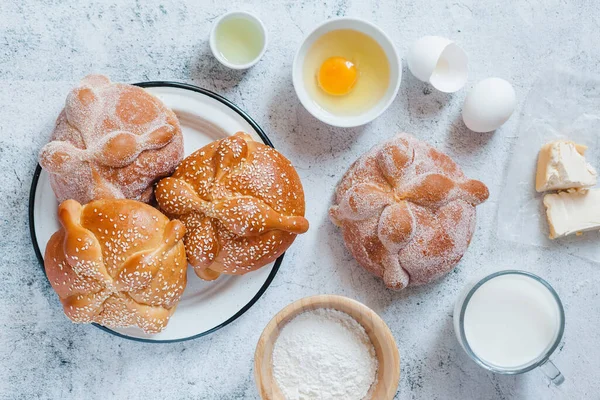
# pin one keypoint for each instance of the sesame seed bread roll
(242, 204)
(111, 141)
(117, 263)
(406, 211)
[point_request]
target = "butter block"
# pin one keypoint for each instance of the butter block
(562, 165)
(572, 212)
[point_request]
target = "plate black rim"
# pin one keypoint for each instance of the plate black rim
(263, 288)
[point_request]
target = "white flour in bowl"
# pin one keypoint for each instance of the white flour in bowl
(324, 354)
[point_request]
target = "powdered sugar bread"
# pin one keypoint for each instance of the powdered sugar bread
(406, 211)
(117, 263)
(112, 140)
(241, 201)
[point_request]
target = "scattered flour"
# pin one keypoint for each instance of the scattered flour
(324, 354)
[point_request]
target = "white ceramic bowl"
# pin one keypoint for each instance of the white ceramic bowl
(213, 39)
(390, 51)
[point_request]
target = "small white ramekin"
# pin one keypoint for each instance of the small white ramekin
(390, 51)
(213, 39)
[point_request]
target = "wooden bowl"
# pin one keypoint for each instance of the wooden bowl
(388, 372)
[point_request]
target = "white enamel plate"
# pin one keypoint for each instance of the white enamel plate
(205, 306)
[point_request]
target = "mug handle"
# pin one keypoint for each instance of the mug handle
(550, 370)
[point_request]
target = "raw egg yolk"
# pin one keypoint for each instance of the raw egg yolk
(337, 76)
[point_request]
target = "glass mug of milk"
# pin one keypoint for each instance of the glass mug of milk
(510, 322)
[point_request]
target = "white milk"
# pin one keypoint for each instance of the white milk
(511, 320)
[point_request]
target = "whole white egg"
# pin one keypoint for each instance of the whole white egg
(488, 105)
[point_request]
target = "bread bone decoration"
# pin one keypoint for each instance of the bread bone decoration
(112, 140)
(242, 204)
(117, 263)
(406, 211)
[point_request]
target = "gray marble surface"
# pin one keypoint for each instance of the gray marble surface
(46, 46)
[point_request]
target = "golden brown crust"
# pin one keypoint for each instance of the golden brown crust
(112, 140)
(241, 201)
(407, 212)
(117, 263)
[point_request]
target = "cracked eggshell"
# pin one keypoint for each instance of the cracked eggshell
(440, 62)
(488, 105)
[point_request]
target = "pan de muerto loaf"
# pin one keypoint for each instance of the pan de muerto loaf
(242, 204)
(407, 211)
(112, 140)
(117, 263)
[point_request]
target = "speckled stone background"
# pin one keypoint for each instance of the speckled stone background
(46, 46)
